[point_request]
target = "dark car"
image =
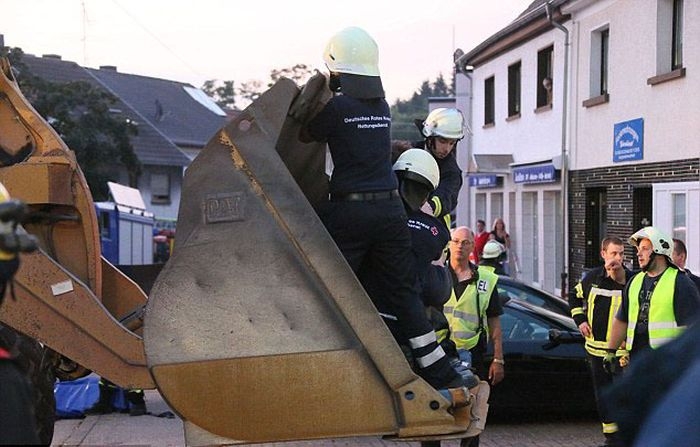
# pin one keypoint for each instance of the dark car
(545, 364)
(509, 288)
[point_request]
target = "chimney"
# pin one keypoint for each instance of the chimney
(2, 41)
(51, 56)
(108, 67)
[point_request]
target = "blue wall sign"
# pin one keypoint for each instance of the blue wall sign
(483, 181)
(628, 140)
(535, 174)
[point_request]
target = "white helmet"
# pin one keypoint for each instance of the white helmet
(419, 165)
(492, 250)
(660, 242)
(446, 123)
(352, 51)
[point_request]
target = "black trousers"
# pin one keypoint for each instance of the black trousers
(601, 379)
(376, 242)
(17, 419)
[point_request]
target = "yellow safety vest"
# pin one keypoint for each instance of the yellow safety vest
(462, 313)
(662, 318)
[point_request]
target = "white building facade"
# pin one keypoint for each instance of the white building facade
(635, 142)
(620, 152)
(514, 155)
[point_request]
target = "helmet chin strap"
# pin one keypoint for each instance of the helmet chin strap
(652, 258)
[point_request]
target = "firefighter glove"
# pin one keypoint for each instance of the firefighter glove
(610, 362)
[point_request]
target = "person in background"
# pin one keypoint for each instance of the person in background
(492, 257)
(365, 214)
(595, 302)
(500, 235)
(481, 236)
(679, 256)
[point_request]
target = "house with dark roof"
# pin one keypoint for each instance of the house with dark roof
(174, 120)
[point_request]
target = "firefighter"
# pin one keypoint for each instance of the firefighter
(492, 257)
(17, 417)
(473, 311)
(365, 214)
(658, 302)
(595, 302)
(442, 129)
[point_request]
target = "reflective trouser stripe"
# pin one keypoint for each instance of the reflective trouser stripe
(423, 340)
(431, 358)
(610, 427)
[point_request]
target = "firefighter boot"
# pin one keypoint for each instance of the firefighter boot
(104, 403)
(137, 403)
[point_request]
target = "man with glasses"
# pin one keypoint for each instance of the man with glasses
(473, 311)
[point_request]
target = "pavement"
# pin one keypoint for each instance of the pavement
(120, 429)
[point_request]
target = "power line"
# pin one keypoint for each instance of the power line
(156, 38)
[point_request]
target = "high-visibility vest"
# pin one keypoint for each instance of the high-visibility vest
(662, 318)
(462, 313)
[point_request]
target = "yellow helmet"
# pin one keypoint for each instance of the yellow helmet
(443, 122)
(352, 56)
(661, 243)
(352, 51)
(419, 166)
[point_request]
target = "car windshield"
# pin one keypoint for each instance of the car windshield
(515, 290)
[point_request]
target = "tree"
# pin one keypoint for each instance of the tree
(251, 90)
(223, 93)
(405, 112)
(80, 114)
(299, 73)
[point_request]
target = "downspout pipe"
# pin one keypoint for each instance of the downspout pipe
(564, 155)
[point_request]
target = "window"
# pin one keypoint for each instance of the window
(604, 38)
(514, 90)
(677, 35)
(669, 41)
(517, 325)
(596, 224)
(598, 68)
(489, 101)
(544, 77)
(679, 216)
(160, 188)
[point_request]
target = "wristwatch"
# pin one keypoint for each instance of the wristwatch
(499, 361)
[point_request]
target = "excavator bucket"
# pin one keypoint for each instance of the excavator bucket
(67, 296)
(257, 330)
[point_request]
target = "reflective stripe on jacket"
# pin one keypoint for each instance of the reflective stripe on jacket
(599, 306)
(662, 318)
(462, 313)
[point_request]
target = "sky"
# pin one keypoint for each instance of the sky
(195, 41)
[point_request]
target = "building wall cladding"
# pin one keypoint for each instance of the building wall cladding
(619, 181)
